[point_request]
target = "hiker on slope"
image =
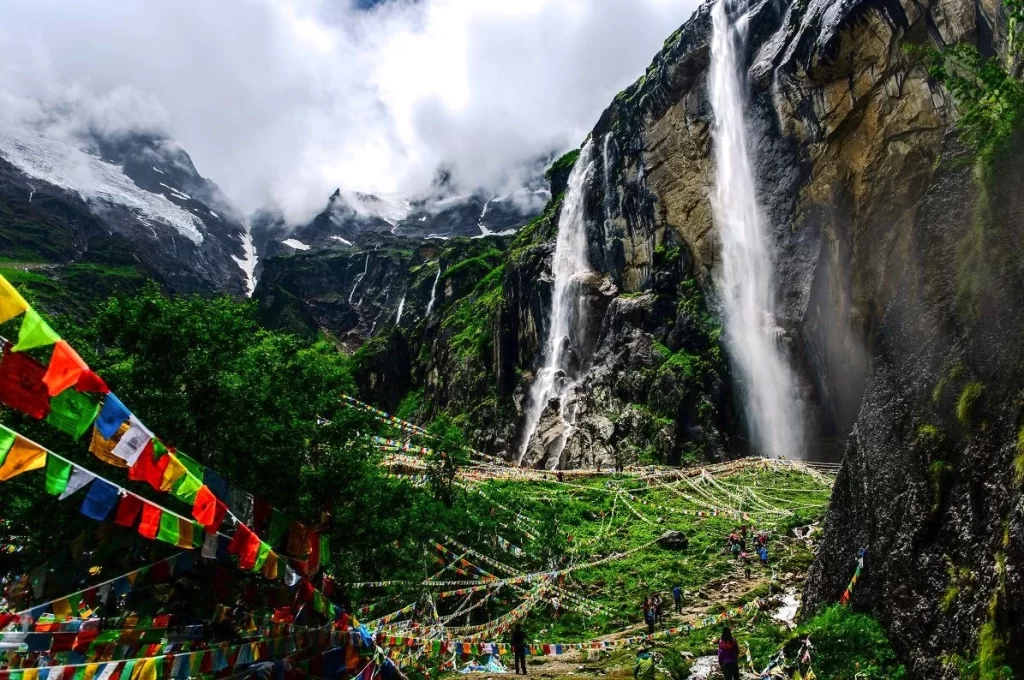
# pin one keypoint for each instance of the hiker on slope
(729, 655)
(677, 597)
(644, 667)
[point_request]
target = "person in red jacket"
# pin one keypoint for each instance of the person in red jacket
(729, 655)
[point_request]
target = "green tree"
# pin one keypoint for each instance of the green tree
(448, 455)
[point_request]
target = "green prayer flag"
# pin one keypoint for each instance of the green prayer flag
(7, 438)
(318, 601)
(159, 450)
(35, 332)
(58, 472)
(129, 667)
(73, 412)
(15, 674)
(192, 465)
(168, 528)
(261, 556)
(187, 487)
(278, 526)
(198, 533)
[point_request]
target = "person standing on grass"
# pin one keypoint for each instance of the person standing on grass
(729, 655)
(519, 648)
(658, 608)
(677, 597)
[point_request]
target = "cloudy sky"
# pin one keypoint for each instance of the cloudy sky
(281, 101)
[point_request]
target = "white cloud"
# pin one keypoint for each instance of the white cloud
(281, 101)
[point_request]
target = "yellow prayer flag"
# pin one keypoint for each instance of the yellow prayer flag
(175, 471)
(11, 302)
(22, 457)
(270, 566)
(185, 531)
(61, 610)
(90, 671)
(104, 448)
(30, 674)
(145, 670)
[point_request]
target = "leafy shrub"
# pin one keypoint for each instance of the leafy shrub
(849, 644)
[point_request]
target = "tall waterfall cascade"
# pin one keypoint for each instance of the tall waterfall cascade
(559, 374)
(746, 276)
(401, 308)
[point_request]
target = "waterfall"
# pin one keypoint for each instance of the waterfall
(565, 329)
(433, 290)
(366, 267)
(401, 306)
(746, 277)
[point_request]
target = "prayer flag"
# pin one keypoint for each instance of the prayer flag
(21, 384)
(168, 532)
(7, 439)
(100, 501)
(208, 510)
(11, 302)
(217, 484)
(150, 524)
(270, 566)
(172, 473)
(58, 472)
(246, 545)
(79, 478)
(35, 332)
(278, 526)
(187, 488)
(104, 448)
(65, 368)
(148, 469)
(298, 543)
(22, 457)
(184, 534)
(128, 510)
(73, 412)
(133, 442)
(210, 546)
(112, 416)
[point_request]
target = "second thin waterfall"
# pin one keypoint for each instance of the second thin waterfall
(562, 357)
(746, 278)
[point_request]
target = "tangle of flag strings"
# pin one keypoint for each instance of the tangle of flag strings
(120, 439)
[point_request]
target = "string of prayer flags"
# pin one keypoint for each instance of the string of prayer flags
(845, 599)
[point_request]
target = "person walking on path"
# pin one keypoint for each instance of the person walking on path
(659, 611)
(649, 615)
(519, 648)
(763, 554)
(729, 655)
(677, 597)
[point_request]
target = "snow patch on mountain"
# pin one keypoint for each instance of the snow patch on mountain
(295, 243)
(98, 183)
(248, 261)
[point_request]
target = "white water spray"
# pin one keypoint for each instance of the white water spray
(401, 307)
(565, 330)
(433, 290)
(747, 285)
(355, 284)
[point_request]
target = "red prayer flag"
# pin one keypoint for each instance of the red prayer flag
(314, 551)
(298, 545)
(261, 515)
(208, 510)
(148, 469)
(65, 368)
(128, 510)
(21, 384)
(246, 545)
(150, 524)
(90, 382)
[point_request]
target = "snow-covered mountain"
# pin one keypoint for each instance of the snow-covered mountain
(143, 188)
(442, 212)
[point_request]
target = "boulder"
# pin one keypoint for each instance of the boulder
(673, 540)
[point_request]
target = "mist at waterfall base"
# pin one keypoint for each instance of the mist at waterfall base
(560, 373)
(746, 282)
